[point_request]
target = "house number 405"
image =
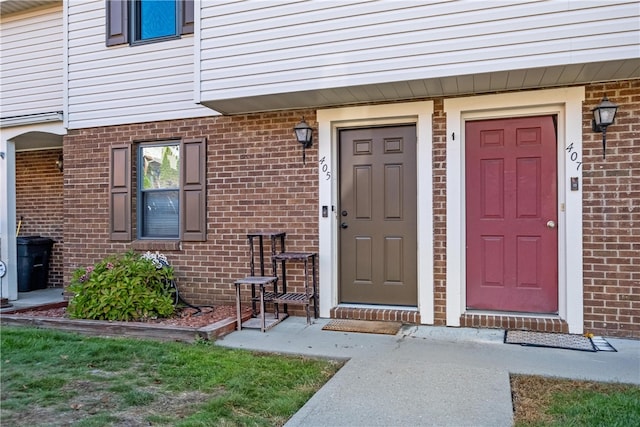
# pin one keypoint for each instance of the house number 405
(324, 168)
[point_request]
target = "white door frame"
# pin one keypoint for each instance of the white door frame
(566, 103)
(329, 122)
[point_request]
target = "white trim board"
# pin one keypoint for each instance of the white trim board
(8, 249)
(329, 121)
(567, 104)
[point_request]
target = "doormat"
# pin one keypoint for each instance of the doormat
(545, 339)
(602, 344)
(364, 326)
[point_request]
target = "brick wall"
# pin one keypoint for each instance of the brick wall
(39, 202)
(611, 210)
(256, 181)
(439, 213)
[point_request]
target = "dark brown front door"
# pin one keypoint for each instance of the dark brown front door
(378, 243)
(512, 248)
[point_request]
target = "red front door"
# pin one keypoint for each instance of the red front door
(511, 215)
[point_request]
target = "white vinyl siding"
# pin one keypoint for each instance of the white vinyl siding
(125, 84)
(32, 63)
(259, 48)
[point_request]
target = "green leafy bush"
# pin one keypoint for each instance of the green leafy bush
(123, 287)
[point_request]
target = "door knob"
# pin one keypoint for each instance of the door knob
(551, 224)
(344, 225)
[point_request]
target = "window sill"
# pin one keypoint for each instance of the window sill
(156, 245)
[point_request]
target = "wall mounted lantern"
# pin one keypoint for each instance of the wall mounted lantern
(304, 135)
(59, 163)
(603, 116)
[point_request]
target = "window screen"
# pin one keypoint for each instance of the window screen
(159, 189)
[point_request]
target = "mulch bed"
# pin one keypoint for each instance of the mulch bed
(187, 323)
(187, 317)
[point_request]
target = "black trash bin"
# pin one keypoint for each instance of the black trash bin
(33, 262)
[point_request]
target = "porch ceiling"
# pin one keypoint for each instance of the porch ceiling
(8, 7)
(37, 141)
(531, 78)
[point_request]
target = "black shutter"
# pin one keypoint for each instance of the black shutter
(193, 204)
(117, 30)
(120, 192)
(187, 17)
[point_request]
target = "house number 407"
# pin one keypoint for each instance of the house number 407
(324, 168)
(574, 156)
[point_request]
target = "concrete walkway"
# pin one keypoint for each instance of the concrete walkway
(427, 376)
(35, 298)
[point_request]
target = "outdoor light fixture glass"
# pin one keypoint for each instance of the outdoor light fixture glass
(603, 116)
(304, 135)
(59, 163)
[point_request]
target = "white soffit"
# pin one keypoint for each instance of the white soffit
(500, 81)
(8, 7)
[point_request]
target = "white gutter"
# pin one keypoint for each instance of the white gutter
(31, 119)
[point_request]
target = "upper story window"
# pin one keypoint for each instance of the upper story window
(144, 21)
(154, 19)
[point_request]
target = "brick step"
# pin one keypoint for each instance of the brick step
(505, 321)
(411, 317)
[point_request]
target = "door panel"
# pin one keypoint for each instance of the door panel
(363, 260)
(378, 214)
(512, 255)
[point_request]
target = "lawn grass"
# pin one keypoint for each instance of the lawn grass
(544, 401)
(54, 378)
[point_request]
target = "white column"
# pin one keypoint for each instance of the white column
(8, 219)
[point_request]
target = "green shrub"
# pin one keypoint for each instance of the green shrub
(123, 287)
